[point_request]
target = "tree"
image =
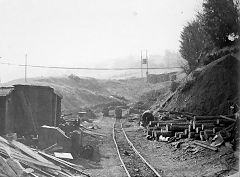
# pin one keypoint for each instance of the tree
(216, 27)
(221, 20)
(193, 43)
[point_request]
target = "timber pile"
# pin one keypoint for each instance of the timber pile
(174, 126)
(18, 160)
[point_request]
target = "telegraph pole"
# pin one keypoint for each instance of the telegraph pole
(26, 68)
(147, 62)
(144, 61)
(0, 76)
(141, 65)
(147, 65)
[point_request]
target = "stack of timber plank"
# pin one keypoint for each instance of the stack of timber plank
(206, 127)
(190, 126)
(17, 159)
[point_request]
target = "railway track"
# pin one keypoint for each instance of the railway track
(134, 164)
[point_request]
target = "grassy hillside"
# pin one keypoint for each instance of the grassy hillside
(87, 92)
(77, 92)
(132, 88)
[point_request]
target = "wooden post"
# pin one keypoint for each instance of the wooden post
(198, 129)
(194, 125)
(191, 134)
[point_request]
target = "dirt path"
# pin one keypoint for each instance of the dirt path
(109, 165)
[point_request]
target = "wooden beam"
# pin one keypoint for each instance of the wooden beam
(205, 117)
(30, 152)
(206, 146)
(62, 162)
(178, 128)
(16, 166)
(38, 169)
(228, 118)
(202, 118)
(6, 168)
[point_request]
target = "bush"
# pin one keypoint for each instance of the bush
(195, 74)
(174, 86)
(216, 27)
(187, 85)
(221, 20)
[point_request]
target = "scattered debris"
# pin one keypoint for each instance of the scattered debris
(162, 138)
(48, 136)
(17, 159)
(137, 170)
(218, 140)
(63, 155)
(178, 144)
(126, 153)
(55, 147)
(208, 146)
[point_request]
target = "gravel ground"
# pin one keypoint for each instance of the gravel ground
(109, 165)
(165, 158)
(134, 164)
(180, 162)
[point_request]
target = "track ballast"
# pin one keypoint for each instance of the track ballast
(134, 164)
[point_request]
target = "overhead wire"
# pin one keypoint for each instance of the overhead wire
(84, 68)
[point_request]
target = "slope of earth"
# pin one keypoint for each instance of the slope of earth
(132, 88)
(77, 92)
(209, 90)
(88, 92)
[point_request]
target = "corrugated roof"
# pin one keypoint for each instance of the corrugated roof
(4, 91)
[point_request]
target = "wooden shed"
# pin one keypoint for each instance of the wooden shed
(25, 108)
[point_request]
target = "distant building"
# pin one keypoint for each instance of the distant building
(157, 78)
(25, 108)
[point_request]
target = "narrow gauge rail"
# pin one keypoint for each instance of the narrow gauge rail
(134, 164)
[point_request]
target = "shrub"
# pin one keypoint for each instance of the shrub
(174, 86)
(187, 85)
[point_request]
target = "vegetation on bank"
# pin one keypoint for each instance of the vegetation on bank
(213, 29)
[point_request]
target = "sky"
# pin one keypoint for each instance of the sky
(87, 33)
